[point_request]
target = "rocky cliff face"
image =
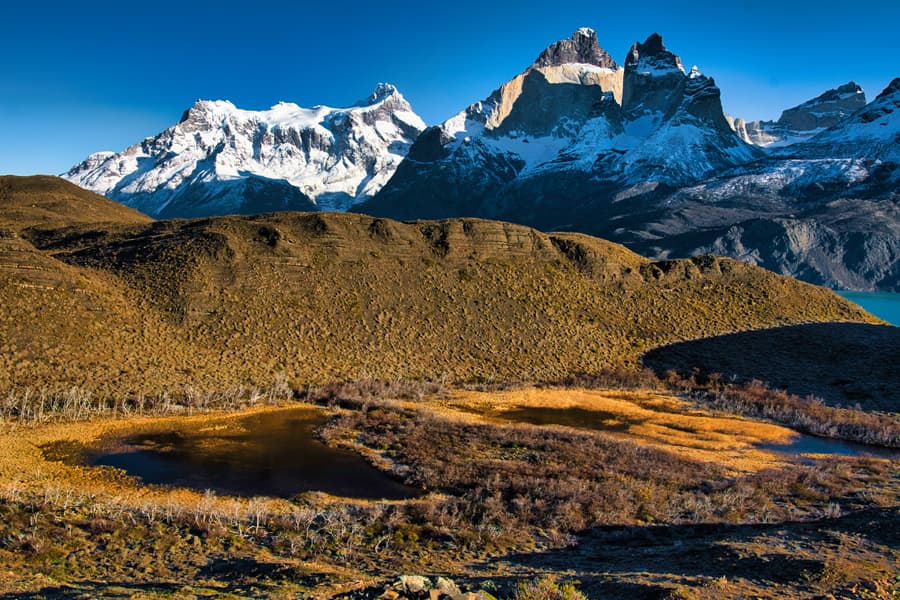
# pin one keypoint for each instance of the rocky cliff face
(559, 126)
(653, 76)
(219, 159)
(803, 121)
(661, 169)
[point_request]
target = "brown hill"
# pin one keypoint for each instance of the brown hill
(136, 306)
(62, 325)
(44, 201)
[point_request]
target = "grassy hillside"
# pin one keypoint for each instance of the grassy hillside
(61, 325)
(46, 201)
(136, 306)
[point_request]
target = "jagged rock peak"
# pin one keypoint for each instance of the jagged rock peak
(851, 87)
(892, 88)
(825, 110)
(581, 48)
(382, 92)
(652, 56)
(207, 107)
(849, 93)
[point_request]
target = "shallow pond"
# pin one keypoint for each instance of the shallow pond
(268, 454)
(810, 444)
(578, 418)
(595, 420)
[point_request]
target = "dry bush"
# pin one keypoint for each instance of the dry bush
(374, 389)
(503, 485)
(28, 406)
(809, 415)
(547, 588)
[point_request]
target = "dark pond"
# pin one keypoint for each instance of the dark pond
(570, 417)
(271, 454)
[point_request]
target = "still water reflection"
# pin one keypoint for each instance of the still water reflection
(269, 454)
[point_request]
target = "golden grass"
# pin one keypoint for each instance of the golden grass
(322, 297)
(649, 418)
(44, 201)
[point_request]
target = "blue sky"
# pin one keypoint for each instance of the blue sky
(80, 77)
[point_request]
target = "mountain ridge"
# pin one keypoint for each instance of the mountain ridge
(219, 159)
(164, 306)
(640, 153)
(666, 174)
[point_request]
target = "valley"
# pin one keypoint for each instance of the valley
(556, 314)
(316, 404)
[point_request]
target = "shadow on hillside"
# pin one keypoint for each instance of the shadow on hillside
(841, 363)
(239, 576)
(645, 562)
(96, 589)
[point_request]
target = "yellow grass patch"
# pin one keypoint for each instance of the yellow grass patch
(646, 417)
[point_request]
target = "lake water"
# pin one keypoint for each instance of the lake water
(880, 304)
(810, 444)
(269, 454)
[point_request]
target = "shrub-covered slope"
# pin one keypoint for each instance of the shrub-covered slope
(218, 302)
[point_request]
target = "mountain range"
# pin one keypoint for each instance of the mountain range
(640, 153)
(219, 159)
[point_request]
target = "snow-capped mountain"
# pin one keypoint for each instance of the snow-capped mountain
(804, 121)
(858, 157)
(871, 133)
(220, 159)
(675, 129)
(826, 209)
(573, 114)
(640, 153)
(644, 155)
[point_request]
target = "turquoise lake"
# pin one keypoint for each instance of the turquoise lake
(880, 304)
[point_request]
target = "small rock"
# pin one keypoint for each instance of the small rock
(415, 584)
(389, 595)
(446, 586)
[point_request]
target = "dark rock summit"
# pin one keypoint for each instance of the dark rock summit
(892, 88)
(582, 48)
(654, 78)
(826, 110)
(799, 123)
(653, 52)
